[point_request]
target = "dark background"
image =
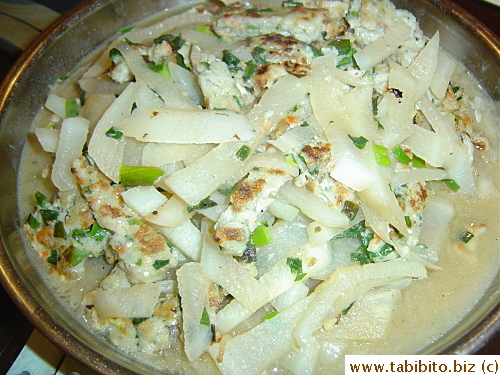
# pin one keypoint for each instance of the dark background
(15, 329)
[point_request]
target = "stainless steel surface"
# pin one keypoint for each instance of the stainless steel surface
(61, 47)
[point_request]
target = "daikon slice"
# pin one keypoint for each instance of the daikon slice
(428, 145)
(72, 138)
(143, 199)
(384, 46)
(48, 138)
(187, 83)
(101, 86)
(138, 301)
(186, 238)
(442, 75)
(158, 154)
(424, 65)
(170, 214)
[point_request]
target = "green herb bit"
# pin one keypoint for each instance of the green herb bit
(243, 152)
(139, 176)
(205, 29)
(160, 263)
(408, 221)
(114, 53)
(417, 162)
(452, 184)
(49, 215)
(175, 41)
(139, 262)
(229, 58)
(466, 237)
(359, 142)
(343, 46)
(350, 209)
(386, 249)
(61, 79)
(288, 4)
(133, 221)
(205, 64)
(290, 161)
(74, 256)
(314, 171)
(161, 69)
(295, 265)
(205, 318)
(381, 156)
(54, 257)
(346, 310)
(125, 30)
(249, 70)
(375, 103)
(137, 321)
(259, 55)
(59, 230)
(115, 134)
(79, 233)
(316, 52)
(262, 235)
(33, 222)
(204, 203)
(271, 315)
(71, 108)
(179, 59)
(237, 101)
(460, 98)
(226, 190)
(401, 155)
(455, 89)
(41, 200)
(96, 232)
(352, 232)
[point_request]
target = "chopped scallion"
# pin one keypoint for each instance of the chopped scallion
(33, 222)
(113, 133)
(249, 70)
(54, 257)
(295, 265)
(41, 200)
(452, 184)
(350, 209)
(71, 108)
(205, 29)
(74, 256)
(204, 203)
(160, 263)
(59, 230)
(229, 58)
(205, 318)
(290, 161)
(346, 310)
(142, 175)
(97, 232)
(271, 315)
(401, 155)
(49, 215)
(243, 152)
(417, 162)
(359, 142)
(262, 235)
(466, 237)
(381, 155)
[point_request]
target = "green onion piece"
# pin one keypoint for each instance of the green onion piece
(179, 59)
(417, 162)
(288, 3)
(134, 221)
(455, 89)
(160, 263)
(386, 249)
(259, 55)
(401, 155)
(262, 236)
(54, 257)
(316, 52)
(226, 190)
(175, 41)
(375, 103)
(295, 265)
(237, 101)
(49, 215)
(271, 315)
(33, 222)
(249, 70)
(346, 310)
(59, 230)
(359, 142)
(343, 46)
(452, 184)
(161, 69)
(466, 237)
(352, 232)
(114, 54)
(206, 65)
(304, 124)
(205, 29)
(314, 171)
(229, 58)
(71, 108)
(97, 232)
(137, 321)
(290, 161)
(381, 156)
(74, 256)
(41, 200)
(205, 319)
(113, 133)
(243, 152)
(139, 262)
(408, 221)
(204, 203)
(125, 29)
(61, 79)
(350, 209)
(142, 176)
(354, 13)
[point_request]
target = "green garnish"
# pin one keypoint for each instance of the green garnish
(249, 70)
(466, 237)
(455, 89)
(417, 162)
(408, 221)
(305, 124)
(179, 59)
(71, 108)
(262, 235)
(271, 315)
(290, 161)
(205, 319)
(161, 69)
(33, 222)
(175, 41)
(59, 230)
(142, 176)
(41, 200)
(136, 321)
(350, 209)
(316, 52)
(226, 190)
(381, 156)
(205, 29)
(49, 215)
(61, 79)
(113, 133)
(160, 263)
(243, 152)
(352, 232)
(401, 155)
(114, 54)
(125, 29)
(139, 262)
(133, 221)
(314, 170)
(345, 52)
(259, 55)
(359, 142)
(229, 58)
(452, 184)
(295, 265)
(74, 256)
(237, 101)
(346, 310)
(54, 257)
(205, 203)
(96, 232)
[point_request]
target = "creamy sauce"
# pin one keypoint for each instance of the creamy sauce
(429, 308)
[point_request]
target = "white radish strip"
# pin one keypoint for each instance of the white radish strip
(56, 104)
(186, 82)
(169, 125)
(144, 96)
(143, 199)
(48, 138)
(442, 75)
(384, 46)
(72, 138)
(158, 154)
(428, 145)
(101, 86)
(171, 214)
(424, 65)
